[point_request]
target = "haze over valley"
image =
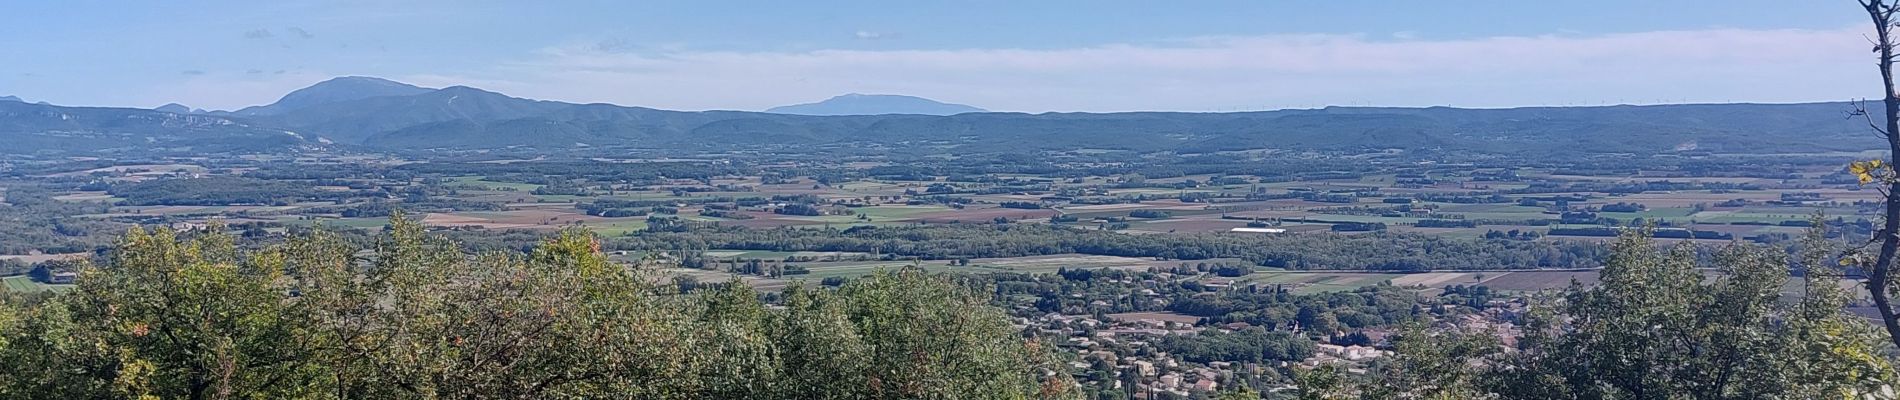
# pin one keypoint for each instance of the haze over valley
(973, 200)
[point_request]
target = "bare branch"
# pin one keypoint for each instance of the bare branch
(1860, 110)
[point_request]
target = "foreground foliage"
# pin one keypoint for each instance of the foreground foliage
(1657, 327)
(194, 318)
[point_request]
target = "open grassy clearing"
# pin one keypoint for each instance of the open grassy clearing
(88, 196)
(616, 227)
(23, 284)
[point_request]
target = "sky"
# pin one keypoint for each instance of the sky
(1014, 55)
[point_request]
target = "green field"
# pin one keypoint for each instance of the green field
(616, 228)
(22, 284)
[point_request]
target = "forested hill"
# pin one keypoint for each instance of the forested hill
(408, 117)
(471, 118)
(27, 128)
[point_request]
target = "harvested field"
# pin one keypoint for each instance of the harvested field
(1441, 279)
(21, 284)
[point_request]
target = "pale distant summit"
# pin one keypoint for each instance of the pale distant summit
(875, 104)
(174, 108)
(335, 90)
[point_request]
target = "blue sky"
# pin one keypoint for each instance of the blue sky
(1028, 56)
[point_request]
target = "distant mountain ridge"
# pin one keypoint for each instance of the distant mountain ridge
(340, 89)
(174, 108)
(390, 115)
(27, 128)
(11, 99)
(875, 104)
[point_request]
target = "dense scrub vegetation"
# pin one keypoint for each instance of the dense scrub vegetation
(31, 220)
(1248, 345)
(1655, 328)
(1403, 252)
(218, 191)
(190, 316)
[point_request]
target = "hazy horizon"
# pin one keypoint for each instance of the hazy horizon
(1058, 56)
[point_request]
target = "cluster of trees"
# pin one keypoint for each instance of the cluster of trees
(1389, 251)
(602, 207)
(1253, 345)
(800, 209)
(1026, 205)
(194, 317)
(1320, 313)
(32, 220)
(220, 191)
(1078, 291)
(1149, 214)
(563, 189)
(1447, 223)
(1655, 328)
(1358, 227)
(1623, 207)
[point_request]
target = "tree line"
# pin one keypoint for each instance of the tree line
(1656, 327)
(189, 315)
(1384, 251)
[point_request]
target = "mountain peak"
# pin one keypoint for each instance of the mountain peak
(12, 99)
(464, 89)
(173, 108)
(875, 104)
(338, 89)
